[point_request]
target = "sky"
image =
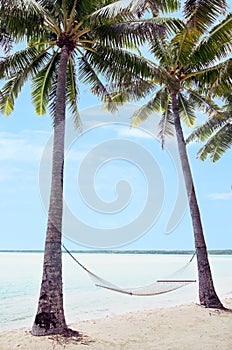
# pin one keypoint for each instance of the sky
(121, 190)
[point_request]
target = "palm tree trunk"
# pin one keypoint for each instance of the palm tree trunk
(207, 293)
(50, 317)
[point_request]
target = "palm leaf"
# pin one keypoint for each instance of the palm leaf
(208, 128)
(136, 32)
(23, 59)
(73, 93)
(21, 18)
(183, 45)
(41, 84)
(166, 122)
(12, 88)
(6, 41)
(187, 110)
(205, 104)
(155, 104)
(119, 64)
(221, 85)
(215, 46)
(218, 144)
(88, 75)
(128, 33)
(137, 7)
(201, 15)
(132, 91)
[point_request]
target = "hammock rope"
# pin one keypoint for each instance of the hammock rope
(155, 288)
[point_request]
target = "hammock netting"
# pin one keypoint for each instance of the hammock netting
(155, 288)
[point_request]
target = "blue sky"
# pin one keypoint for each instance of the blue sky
(121, 189)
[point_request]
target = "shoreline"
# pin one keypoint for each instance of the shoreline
(182, 327)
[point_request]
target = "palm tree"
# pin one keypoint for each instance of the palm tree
(186, 66)
(63, 46)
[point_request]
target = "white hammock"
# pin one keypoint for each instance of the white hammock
(155, 288)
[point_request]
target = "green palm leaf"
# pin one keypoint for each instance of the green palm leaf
(187, 110)
(20, 72)
(87, 74)
(118, 64)
(208, 51)
(6, 42)
(73, 93)
(155, 104)
(211, 126)
(166, 125)
(23, 59)
(218, 144)
(205, 104)
(131, 7)
(22, 18)
(202, 14)
(41, 84)
(135, 90)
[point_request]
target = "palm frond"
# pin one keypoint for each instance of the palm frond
(211, 81)
(120, 66)
(29, 57)
(186, 109)
(85, 8)
(8, 97)
(41, 84)
(88, 75)
(218, 144)
(205, 104)
(73, 94)
(221, 85)
(159, 48)
(210, 127)
(183, 45)
(215, 46)
(22, 18)
(137, 32)
(6, 42)
(156, 104)
(17, 79)
(137, 7)
(201, 15)
(166, 124)
(132, 91)
(122, 34)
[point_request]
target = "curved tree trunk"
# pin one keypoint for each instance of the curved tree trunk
(207, 293)
(50, 317)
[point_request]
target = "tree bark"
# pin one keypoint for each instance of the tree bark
(50, 317)
(207, 294)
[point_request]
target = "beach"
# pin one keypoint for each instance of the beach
(108, 320)
(173, 328)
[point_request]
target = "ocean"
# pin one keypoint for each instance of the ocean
(21, 272)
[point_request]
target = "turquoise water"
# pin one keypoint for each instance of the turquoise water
(20, 278)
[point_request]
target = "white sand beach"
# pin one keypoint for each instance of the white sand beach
(176, 328)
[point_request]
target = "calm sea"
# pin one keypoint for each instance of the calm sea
(20, 277)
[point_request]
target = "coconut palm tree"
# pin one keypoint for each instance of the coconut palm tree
(64, 47)
(186, 66)
(55, 47)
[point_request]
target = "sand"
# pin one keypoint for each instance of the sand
(178, 328)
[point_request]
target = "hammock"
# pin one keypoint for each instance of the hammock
(155, 288)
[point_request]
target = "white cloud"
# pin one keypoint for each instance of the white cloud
(138, 133)
(24, 146)
(221, 196)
